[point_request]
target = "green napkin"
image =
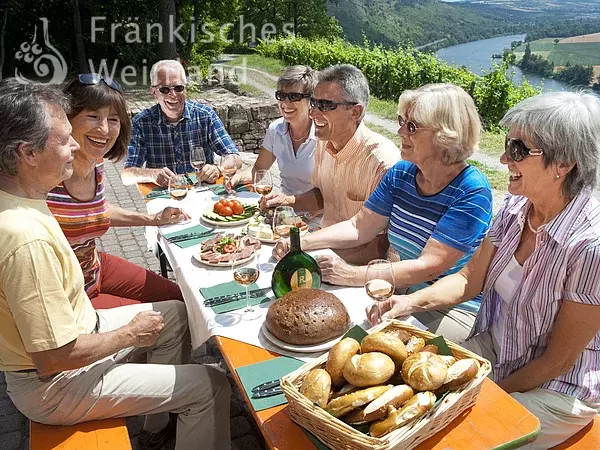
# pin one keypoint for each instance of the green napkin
(190, 242)
(219, 189)
(261, 372)
(158, 192)
(232, 287)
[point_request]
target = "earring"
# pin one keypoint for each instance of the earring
(557, 176)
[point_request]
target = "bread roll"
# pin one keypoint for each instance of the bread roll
(346, 403)
(424, 371)
(386, 343)
(345, 389)
(449, 360)
(415, 344)
(430, 348)
(414, 408)
(339, 354)
(461, 372)
(316, 387)
(398, 332)
(378, 408)
(369, 369)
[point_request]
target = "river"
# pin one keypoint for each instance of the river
(477, 56)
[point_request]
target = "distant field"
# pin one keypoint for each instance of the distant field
(595, 37)
(541, 45)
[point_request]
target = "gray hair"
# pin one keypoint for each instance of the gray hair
(166, 64)
(298, 75)
(566, 127)
(451, 112)
(26, 111)
(355, 87)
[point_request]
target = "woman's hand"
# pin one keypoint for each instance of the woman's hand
(209, 173)
(273, 200)
(281, 249)
(335, 270)
(395, 306)
(170, 215)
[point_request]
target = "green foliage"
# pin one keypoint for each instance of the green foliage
(576, 75)
(392, 72)
(535, 63)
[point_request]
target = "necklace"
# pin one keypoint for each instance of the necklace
(302, 139)
(534, 230)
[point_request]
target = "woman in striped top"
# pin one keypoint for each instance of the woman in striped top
(436, 207)
(539, 267)
(101, 126)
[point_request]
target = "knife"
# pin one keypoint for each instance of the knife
(221, 299)
(188, 236)
(267, 385)
(267, 392)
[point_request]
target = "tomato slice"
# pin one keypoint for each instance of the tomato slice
(229, 248)
(237, 208)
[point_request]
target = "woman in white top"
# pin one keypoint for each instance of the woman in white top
(290, 140)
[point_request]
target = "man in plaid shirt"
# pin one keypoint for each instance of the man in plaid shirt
(162, 136)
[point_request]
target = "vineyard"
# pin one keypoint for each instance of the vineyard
(391, 72)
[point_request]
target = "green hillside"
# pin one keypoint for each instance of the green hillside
(390, 22)
(583, 54)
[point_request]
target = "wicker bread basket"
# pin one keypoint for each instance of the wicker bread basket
(338, 435)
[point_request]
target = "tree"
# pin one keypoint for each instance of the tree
(81, 60)
(167, 49)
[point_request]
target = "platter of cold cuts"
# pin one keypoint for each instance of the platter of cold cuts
(221, 250)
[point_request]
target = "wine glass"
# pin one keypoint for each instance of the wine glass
(283, 219)
(229, 167)
(197, 159)
(263, 182)
(245, 274)
(178, 187)
(379, 283)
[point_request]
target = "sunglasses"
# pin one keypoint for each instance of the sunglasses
(328, 105)
(411, 127)
(167, 89)
(93, 78)
(291, 96)
(516, 149)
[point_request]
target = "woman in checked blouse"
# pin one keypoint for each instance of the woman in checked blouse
(539, 268)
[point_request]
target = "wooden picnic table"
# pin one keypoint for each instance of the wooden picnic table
(497, 421)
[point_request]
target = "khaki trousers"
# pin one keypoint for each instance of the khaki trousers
(560, 415)
(112, 387)
(453, 323)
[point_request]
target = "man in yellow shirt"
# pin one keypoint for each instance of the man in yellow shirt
(350, 160)
(66, 363)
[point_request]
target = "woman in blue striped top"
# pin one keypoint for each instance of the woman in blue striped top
(539, 267)
(435, 207)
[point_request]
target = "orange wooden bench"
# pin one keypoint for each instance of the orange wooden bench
(587, 439)
(96, 435)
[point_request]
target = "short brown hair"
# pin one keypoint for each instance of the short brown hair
(92, 97)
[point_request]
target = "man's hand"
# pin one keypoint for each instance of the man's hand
(395, 306)
(146, 327)
(281, 249)
(335, 270)
(236, 179)
(170, 215)
(163, 176)
(274, 200)
(208, 173)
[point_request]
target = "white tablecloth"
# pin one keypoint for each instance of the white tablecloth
(192, 275)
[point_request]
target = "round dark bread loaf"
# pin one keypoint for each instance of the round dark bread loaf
(307, 316)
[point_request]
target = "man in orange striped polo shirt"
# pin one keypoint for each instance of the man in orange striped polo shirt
(350, 159)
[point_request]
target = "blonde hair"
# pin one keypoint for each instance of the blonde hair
(451, 112)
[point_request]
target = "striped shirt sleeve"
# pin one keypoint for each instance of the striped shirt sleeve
(465, 221)
(136, 151)
(582, 284)
(381, 201)
(496, 232)
(219, 140)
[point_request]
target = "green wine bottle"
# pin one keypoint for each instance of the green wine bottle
(296, 270)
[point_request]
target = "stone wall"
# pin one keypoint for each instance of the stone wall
(245, 118)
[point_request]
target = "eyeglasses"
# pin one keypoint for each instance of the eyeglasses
(411, 127)
(328, 105)
(93, 78)
(516, 149)
(291, 96)
(166, 89)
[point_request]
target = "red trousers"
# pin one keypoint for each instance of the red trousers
(124, 283)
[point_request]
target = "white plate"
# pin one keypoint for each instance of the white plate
(324, 346)
(223, 224)
(228, 264)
